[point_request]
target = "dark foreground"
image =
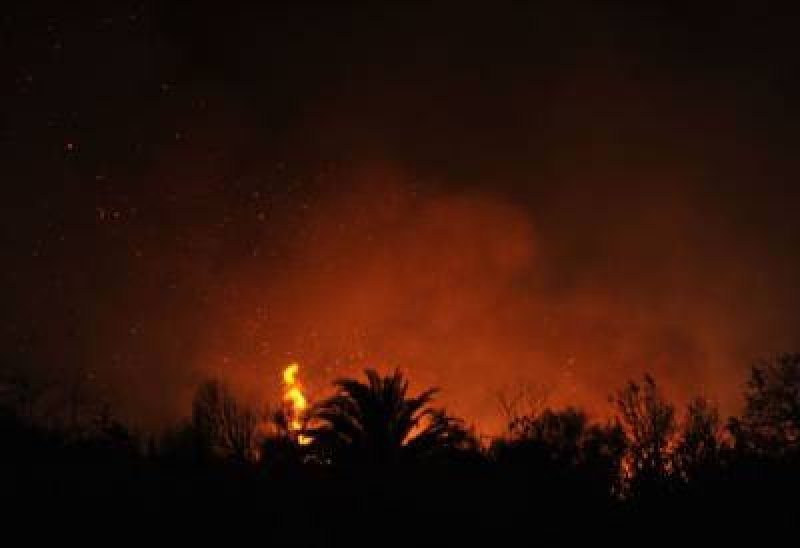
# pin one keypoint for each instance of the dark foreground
(385, 469)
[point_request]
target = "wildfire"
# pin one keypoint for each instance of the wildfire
(296, 402)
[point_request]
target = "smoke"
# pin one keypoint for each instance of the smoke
(556, 197)
(468, 291)
(572, 281)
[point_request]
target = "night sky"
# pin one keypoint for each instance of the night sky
(561, 195)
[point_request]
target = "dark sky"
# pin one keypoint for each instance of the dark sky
(561, 194)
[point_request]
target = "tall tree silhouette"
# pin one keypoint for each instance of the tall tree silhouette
(649, 422)
(222, 424)
(771, 419)
(699, 447)
(379, 422)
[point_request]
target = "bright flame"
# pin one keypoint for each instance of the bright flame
(296, 401)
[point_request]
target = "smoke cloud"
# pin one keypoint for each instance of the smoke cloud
(532, 198)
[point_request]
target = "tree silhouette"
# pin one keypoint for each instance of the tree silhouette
(649, 423)
(221, 423)
(392, 451)
(699, 447)
(771, 419)
(564, 450)
(377, 421)
(554, 435)
(521, 404)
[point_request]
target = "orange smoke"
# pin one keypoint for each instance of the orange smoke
(472, 292)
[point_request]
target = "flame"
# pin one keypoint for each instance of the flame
(296, 402)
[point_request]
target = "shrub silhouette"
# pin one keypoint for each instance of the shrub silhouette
(560, 452)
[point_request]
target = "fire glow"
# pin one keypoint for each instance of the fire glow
(296, 403)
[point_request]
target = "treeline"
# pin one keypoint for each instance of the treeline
(373, 458)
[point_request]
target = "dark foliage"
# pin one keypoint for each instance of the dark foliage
(649, 424)
(771, 420)
(377, 422)
(388, 468)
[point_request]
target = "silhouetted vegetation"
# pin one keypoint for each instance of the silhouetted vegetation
(377, 422)
(386, 462)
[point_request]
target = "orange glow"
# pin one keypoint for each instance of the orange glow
(470, 293)
(296, 402)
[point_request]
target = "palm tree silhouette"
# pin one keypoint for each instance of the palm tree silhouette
(378, 421)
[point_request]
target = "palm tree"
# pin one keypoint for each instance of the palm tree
(377, 421)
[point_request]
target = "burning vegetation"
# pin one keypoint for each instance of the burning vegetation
(295, 403)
